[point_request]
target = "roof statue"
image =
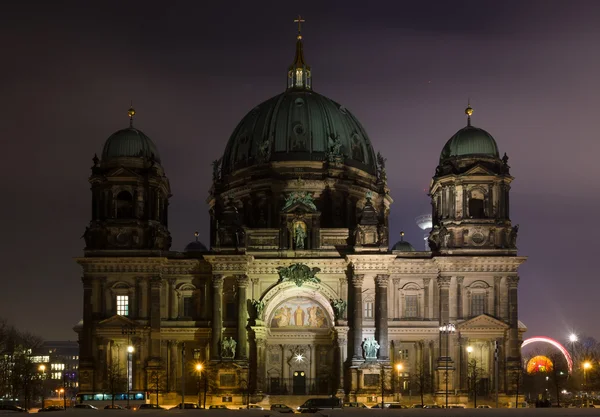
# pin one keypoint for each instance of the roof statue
(339, 308)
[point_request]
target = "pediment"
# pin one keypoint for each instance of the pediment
(483, 322)
(117, 321)
(122, 172)
(479, 170)
(298, 207)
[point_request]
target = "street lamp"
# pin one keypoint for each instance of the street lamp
(586, 366)
(199, 370)
(130, 350)
(572, 340)
(447, 329)
(42, 369)
(399, 369)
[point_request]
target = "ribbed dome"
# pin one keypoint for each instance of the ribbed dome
(298, 125)
(129, 142)
(470, 141)
(403, 246)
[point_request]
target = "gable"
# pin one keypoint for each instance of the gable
(117, 321)
(482, 322)
(122, 172)
(479, 170)
(298, 207)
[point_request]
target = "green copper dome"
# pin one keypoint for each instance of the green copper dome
(403, 246)
(470, 141)
(298, 125)
(129, 142)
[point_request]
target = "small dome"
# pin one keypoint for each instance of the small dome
(403, 246)
(129, 142)
(470, 141)
(195, 245)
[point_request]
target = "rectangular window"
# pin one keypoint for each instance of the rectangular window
(478, 304)
(123, 305)
(369, 310)
(403, 354)
(188, 307)
(411, 306)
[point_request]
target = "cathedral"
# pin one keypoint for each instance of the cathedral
(298, 291)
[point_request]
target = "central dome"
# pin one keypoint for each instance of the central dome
(298, 125)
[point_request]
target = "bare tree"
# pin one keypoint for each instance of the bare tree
(117, 382)
(421, 379)
(474, 374)
(558, 373)
(157, 382)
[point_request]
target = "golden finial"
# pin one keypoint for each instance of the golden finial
(299, 21)
(131, 113)
(196, 235)
(469, 112)
(402, 236)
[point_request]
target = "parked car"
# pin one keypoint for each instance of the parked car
(150, 407)
(320, 404)
(355, 405)
(218, 407)
(51, 408)
(114, 407)
(187, 406)
(85, 407)
(12, 407)
(282, 408)
(432, 406)
(389, 405)
(252, 407)
(484, 406)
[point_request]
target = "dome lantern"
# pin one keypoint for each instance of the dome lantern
(299, 74)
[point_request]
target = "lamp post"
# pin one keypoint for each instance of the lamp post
(199, 370)
(447, 329)
(572, 340)
(128, 330)
(130, 350)
(42, 369)
(399, 369)
(586, 366)
(473, 375)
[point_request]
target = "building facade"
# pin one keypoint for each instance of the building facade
(298, 291)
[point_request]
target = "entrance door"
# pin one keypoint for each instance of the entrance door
(299, 383)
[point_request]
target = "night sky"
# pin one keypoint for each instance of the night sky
(69, 70)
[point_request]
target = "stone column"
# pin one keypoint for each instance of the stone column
(381, 313)
(173, 364)
(426, 298)
(513, 314)
(344, 295)
(357, 316)
(459, 297)
(444, 285)
(497, 280)
(258, 358)
(155, 319)
(341, 341)
(217, 316)
(172, 300)
(88, 318)
(242, 332)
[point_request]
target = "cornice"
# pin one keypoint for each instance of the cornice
(413, 266)
(462, 264)
(150, 265)
(371, 262)
(228, 264)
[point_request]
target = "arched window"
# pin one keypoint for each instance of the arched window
(369, 308)
(410, 294)
(478, 293)
(124, 205)
(477, 204)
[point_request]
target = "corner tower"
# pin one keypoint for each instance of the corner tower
(130, 195)
(470, 195)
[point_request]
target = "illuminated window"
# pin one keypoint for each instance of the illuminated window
(123, 305)
(411, 306)
(478, 304)
(299, 77)
(369, 310)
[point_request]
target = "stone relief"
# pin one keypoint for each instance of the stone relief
(298, 274)
(339, 307)
(302, 197)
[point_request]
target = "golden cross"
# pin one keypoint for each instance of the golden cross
(299, 21)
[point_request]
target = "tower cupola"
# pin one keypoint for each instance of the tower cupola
(299, 74)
